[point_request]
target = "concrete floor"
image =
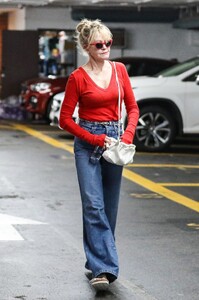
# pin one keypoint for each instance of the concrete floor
(41, 253)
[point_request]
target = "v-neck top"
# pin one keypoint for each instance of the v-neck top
(92, 81)
(97, 103)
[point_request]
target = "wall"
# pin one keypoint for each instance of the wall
(16, 19)
(160, 40)
(153, 40)
(37, 18)
(3, 26)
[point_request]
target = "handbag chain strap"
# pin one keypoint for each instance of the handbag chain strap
(119, 99)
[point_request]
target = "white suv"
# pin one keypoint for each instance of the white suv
(168, 103)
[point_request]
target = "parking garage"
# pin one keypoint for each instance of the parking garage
(41, 247)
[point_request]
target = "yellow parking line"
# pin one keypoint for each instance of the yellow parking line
(43, 137)
(166, 154)
(132, 176)
(154, 187)
(178, 184)
(5, 127)
(164, 166)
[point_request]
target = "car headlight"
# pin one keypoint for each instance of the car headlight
(40, 86)
(33, 101)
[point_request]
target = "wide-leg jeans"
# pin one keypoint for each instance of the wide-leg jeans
(99, 188)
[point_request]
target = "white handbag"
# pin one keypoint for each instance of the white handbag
(118, 152)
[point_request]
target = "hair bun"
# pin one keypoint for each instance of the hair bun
(86, 29)
(85, 24)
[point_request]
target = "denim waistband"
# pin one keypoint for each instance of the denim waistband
(99, 123)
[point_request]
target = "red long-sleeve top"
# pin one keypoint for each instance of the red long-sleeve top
(98, 104)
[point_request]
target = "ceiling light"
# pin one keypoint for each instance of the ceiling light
(141, 1)
(97, 1)
(124, 4)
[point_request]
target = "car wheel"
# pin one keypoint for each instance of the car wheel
(155, 130)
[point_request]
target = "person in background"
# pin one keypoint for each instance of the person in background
(94, 88)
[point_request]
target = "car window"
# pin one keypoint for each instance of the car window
(143, 68)
(179, 68)
(153, 67)
(132, 69)
(192, 77)
(148, 68)
(128, 67)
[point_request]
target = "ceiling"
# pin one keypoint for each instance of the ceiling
(99, 3)
(182, 13)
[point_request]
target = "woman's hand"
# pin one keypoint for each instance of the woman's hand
(107, 141)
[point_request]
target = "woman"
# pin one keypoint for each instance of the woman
(93, 86)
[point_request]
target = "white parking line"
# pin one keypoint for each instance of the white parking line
(8, 232)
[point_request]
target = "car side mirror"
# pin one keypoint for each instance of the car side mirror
(197, 79)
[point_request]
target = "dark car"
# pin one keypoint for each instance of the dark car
(37, 94)
(140, 66)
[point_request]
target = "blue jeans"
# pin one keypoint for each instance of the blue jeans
(99, 188)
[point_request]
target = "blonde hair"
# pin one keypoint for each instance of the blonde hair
(86, 31)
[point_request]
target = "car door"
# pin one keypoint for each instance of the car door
(192, 104)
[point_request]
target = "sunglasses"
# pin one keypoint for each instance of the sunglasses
(99, 45)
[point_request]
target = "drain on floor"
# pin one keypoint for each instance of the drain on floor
(9, 196)
(146, 196)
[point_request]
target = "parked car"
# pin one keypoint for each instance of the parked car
(139, 66)
(55, 109)
(37, 94)
(168, 104)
